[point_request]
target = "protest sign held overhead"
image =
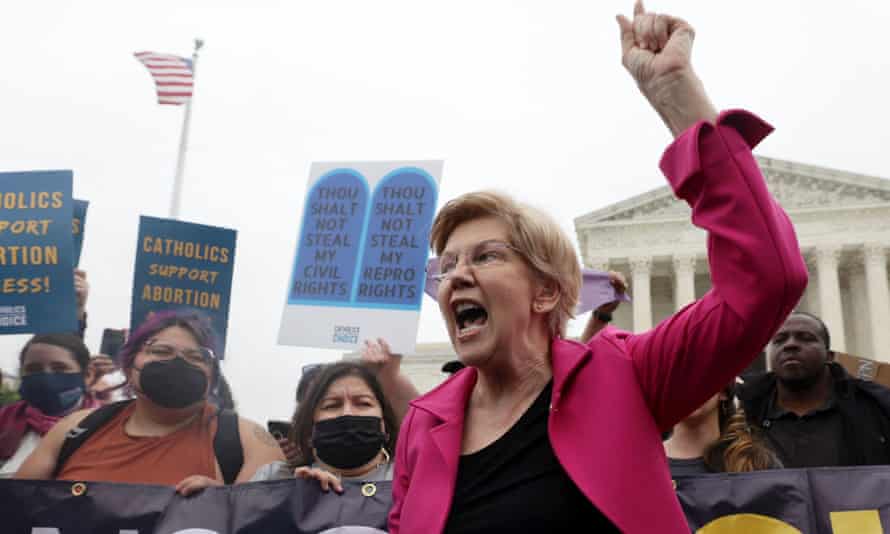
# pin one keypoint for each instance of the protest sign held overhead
(182, 265)
(359, 268)
(36, 253)
(78, 224)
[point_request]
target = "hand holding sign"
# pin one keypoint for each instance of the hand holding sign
(378, 356)
(81, 292)
(619, 284)
(78, 225)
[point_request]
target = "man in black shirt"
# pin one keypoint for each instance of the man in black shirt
(812, 412)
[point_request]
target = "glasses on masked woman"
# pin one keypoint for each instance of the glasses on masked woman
(162, 351)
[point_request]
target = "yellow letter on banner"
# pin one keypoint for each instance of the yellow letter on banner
(856, 522)
(747, 524)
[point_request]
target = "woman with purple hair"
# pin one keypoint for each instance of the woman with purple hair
(170, 434)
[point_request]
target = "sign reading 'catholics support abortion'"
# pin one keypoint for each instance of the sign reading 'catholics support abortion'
(359, 270)
(183, 266)
(36, 267)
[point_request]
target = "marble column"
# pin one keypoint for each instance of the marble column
(875, 256)
(684, 279)
(641, 272)
(810, 300)
(583, 243)
(857, 320)
(827, 258)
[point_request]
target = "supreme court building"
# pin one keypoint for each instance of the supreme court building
(842, 222)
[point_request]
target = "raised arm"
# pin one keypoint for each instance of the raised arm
(82, 294)
(656, 50)
(757, 272)
(397, 387)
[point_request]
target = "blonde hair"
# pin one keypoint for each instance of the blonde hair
(545, 247)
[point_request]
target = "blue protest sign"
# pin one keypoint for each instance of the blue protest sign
(183, 266)
(329, 240)
(36, 263)
(79, 223)
(397, 245)
(359, 268)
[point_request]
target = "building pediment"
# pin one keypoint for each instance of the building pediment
(796, 186)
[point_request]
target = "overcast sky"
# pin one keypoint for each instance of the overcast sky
(524, 96)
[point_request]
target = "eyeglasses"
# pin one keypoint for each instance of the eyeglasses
(480, 256)
(161, 351)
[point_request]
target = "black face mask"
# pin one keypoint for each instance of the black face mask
(348, 441)
(172, 383)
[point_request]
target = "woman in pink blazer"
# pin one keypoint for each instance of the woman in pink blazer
(544, 434)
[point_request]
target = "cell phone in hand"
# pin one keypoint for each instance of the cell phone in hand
(112, 341)
(279, 429)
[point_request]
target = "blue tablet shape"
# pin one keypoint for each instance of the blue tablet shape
(396, 246)
(333, 221)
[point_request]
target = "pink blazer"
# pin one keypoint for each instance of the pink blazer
(614, 396)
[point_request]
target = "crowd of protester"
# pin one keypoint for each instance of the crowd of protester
(532, 431)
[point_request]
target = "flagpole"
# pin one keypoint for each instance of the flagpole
(183, 140)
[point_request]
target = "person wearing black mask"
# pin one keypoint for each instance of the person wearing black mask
(170, 434)
(53, 370)
(345, 429)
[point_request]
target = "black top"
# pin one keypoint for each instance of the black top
(862, 407)
(516, 484)
(811, 440)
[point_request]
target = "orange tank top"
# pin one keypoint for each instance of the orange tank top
(110, 455)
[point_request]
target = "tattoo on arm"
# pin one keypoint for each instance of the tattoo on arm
(264, 436)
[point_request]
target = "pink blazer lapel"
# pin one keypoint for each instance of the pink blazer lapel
(567, 356)
(438, 472)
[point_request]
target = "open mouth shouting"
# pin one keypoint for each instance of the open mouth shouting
(470, 317)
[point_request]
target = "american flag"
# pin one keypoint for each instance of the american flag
(173, 76)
